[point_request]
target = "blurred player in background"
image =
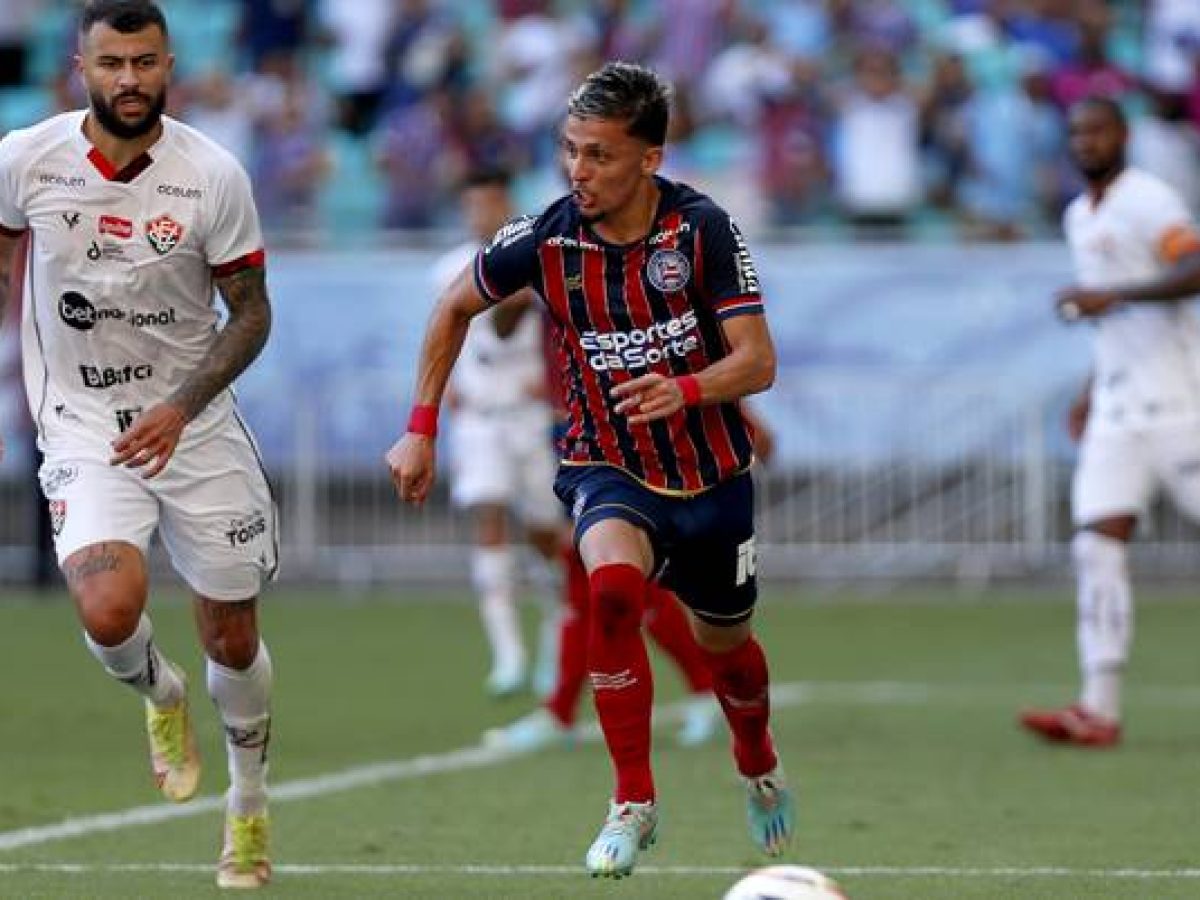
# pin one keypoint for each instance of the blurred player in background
(660, 330)
(1137, 258)
(503, 460)
(132, 218)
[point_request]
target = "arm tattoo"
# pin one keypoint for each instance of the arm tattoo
(8, 257)
(98, 559)
(237, 345)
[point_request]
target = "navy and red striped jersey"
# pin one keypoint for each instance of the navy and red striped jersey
(623, 311)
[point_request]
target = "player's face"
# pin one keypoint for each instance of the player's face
(126, 76)
(486, 208)
(1097, 141)
(605, 166)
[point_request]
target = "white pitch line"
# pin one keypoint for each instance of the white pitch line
(502, 871)
(782, 696)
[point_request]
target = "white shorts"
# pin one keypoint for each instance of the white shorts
(1120, 473)
(506, 458)
(212, 506)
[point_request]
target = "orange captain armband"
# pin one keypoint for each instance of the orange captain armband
(689, 386)
(423, 420)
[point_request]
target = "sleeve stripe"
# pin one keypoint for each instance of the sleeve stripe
(737, 306)
(481, 281)
(738, 299)
(255, 260)
(735, 311)
(12, 232)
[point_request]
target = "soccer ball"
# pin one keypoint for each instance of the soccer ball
(786, 883)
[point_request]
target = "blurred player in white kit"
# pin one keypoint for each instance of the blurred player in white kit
(132, 218)
(1136, 251)
(503, 458)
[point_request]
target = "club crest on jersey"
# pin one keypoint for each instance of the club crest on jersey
(164, 234)
(668, 270)
(58, 516)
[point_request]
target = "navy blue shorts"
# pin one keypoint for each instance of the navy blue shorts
(703, 545)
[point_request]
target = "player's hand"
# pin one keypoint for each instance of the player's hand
(764, 442)
(1077, 416)
(411, 462)
(151, 440)
(648, 398)
(1081, 303)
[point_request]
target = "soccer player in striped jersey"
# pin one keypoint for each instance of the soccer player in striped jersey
(1136, 250)
(660, 330)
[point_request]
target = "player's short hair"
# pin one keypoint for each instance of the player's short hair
(1107, 105)
(125, 16)
(626, 92)
(488, 176)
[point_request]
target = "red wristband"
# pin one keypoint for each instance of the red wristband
(689, 386)
(423, 420)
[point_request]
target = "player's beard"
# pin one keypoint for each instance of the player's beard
(106, 115)
(1103, 174)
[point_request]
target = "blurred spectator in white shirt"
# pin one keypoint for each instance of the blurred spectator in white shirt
(876, 154)
(357, 34)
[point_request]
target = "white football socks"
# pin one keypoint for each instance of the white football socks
(1105, 619)
(139, 663)
(243, 699)
(492, 574)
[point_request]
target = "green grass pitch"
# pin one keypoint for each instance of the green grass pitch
(896, 725)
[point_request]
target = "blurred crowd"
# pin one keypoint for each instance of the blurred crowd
(892, 117)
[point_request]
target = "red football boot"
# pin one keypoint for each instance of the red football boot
(1072, 725)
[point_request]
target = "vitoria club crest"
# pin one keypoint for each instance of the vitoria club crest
(668, 270)
(164, 234)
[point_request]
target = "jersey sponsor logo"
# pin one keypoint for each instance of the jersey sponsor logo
(125, 418)
(58, 515)
(559, 240)
(116, 226)
(668, 270)
(71, 181)
(666, 234)
(103, 377)
(81, 314)
(72, 219)
(613, 351)
(747, 274)
(55, 479)
(243, 531)
(511, 233)
(185, 193)
(164, 234)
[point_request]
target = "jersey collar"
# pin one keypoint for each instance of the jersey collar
(110, 172)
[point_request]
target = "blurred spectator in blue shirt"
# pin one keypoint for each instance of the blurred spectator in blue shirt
(271, 28)
(1016, 141)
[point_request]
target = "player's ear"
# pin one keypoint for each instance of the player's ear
(651, 160)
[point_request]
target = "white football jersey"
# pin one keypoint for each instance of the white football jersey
(493, 372)
(119, 288)
(1147, 355)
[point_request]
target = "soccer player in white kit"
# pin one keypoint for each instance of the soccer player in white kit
(132, 219)
(503, 459)
(1137, 257)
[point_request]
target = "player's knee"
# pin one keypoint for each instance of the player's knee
(618, 599)
(1096, 553)
(107, 623)
(109, 609)
(234, 648)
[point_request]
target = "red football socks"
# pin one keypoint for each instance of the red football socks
(563, 702)
(741, 683)
(620, 675)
